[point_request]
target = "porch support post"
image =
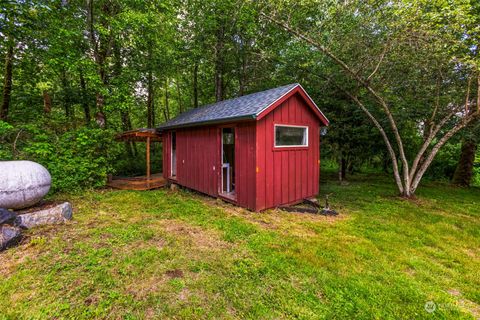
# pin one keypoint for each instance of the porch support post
(148, 157)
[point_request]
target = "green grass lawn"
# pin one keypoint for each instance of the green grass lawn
(165, 254)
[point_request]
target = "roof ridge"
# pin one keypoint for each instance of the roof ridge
(239, 108)
(247, 95)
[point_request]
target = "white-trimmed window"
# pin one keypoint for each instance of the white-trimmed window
(291, 136)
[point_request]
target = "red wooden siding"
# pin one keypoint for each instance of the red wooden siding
(245, 164)
(286, 175)
(198, 159)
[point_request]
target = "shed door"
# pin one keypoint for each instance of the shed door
(228, 162)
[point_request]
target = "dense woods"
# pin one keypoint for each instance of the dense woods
(399, 80)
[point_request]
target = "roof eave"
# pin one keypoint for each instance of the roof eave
(262, 113)
(209, 122)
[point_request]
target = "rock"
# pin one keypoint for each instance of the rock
(9, 236)
(55, 215)
(6, 216)
(22, 183)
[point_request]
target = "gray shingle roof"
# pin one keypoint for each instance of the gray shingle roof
(244, 107)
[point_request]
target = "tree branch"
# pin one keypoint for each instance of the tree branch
(437, 147)
(433, 133)
(382, 56)
(388, 144)
(393, 156)
(437, 104)
(478, 92)
(15, 152)
(361, 81)
(467, 95)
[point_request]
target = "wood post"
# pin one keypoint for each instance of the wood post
(148, 157)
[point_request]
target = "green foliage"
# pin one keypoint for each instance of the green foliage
(76, 159)
(5, 129)
(443, 167)
(476, 177)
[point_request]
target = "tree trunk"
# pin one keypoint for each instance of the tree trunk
(342, 169)
(418, 174)
(478, 92)
(464, 172)
(85, 105)
(195, 86)
(126, 126)
(66, 96)
(385, 162)
(166, 111)
(350, 166)
(7, 84)
(47, 102)
(219, 64)
(101, 46)
(180, 105)
(242, 76)
(150, 102)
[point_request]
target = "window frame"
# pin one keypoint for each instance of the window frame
(290, 146)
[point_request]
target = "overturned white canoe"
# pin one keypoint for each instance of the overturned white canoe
(22, 183)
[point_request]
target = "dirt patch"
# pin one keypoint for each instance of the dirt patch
(411, 272)
(150, 314)
(454, 292)
(289, 223)
(271, 218)
(158, 243)
(91, 300)
(127, 248)
(10, 259)
(184, 294)
(471, 253)
(176, 273)
(196, 236)
(471, 307)
(7, 264)
(467, 305)
(142, 288)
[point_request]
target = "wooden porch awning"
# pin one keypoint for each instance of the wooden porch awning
(139, 135)
(145, 182)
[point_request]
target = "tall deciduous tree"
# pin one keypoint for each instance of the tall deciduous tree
(395, 44)
(7, 83)
(8, 24)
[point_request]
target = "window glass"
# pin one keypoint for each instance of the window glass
(228, 136)
(290, 136)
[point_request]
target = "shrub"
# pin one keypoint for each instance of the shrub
(443, 167)
(5, 151)
(476, 176)
(76, 159)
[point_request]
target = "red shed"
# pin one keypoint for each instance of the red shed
(258, 151)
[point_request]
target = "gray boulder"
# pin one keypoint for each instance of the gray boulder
(22, 183)
(6, 216)
(9, 236)
(54, 215)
